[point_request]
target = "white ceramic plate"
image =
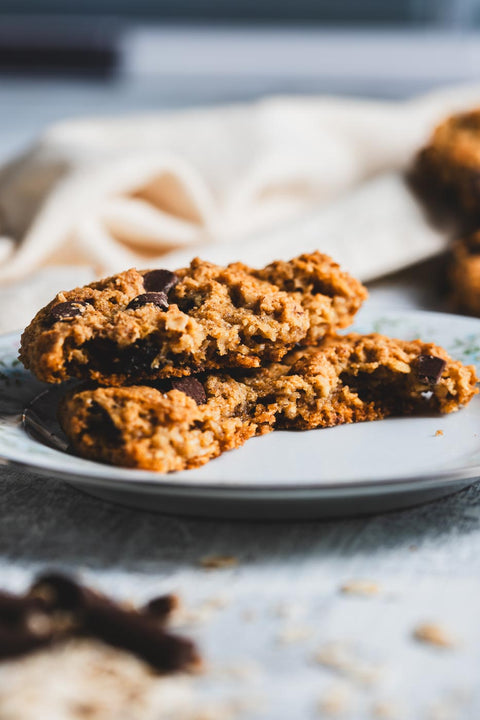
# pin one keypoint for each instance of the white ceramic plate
(350, 469)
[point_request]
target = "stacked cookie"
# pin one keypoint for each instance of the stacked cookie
(447, 176)
(179, 367)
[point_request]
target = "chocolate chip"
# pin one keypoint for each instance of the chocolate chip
(67, 310)
(155, 298)
(159, 281)
(429, 368)
(191, 387)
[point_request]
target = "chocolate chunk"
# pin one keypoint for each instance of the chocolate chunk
(429, 368)
(17, 608)
(67, 310)
(159, 281)
(156, 298)
(98, 616)
(15, 642)
(161, 606)
(101, 424)
(138, 633)
(191, 387)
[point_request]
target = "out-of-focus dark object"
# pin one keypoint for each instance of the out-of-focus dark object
(57, 608)
(40, 44)
(330, 11)
(463, 274)
(446, 173)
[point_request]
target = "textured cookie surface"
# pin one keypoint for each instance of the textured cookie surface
(447, 170)
(464, 274)
(345, 380)
(142, 325)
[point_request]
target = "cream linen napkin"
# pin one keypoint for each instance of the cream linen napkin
(252, 182)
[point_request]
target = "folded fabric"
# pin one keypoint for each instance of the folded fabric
(114, 193)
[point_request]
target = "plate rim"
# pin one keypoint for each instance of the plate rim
(127, 478)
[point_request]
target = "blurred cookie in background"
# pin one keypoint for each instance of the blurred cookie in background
(464, 274)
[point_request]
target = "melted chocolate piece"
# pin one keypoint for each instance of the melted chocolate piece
(155, 298)
(159, 281)
(67, 310)
(429, 368)
(191, 387)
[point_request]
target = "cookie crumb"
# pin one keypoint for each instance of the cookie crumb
(218, 562)
(289, 611)
(341, 658)
(438, 433)
(386, 710)
(433, 634)
(335, 703)
(294, 633)
(360, 587)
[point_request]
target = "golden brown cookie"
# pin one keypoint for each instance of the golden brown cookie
(447, 170)
(143, 325)
(188, 421)
(464, 274)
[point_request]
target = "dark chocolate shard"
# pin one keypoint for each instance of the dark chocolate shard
(15, 642)
(155, 298)
(67, 310)
(161, 607)
(159, 281)
(99, 616)
(191, 387)
(139, 634)
(429, 369)
(17, 608)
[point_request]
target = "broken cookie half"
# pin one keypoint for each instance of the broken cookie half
(183, 423)
(139, 326)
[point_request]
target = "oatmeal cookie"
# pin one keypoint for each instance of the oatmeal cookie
(187, 421)
(447, 170)
(139, 326)
(464, 274)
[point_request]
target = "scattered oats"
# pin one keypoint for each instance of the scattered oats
(183, 616)
(438, 433)
(249, 615)
(360, 587)
(217, 602)
(413, 548)
(335, 702)
(341, 658)
(86, 680)
(442, 710)
(434, 634)
(218, 562)
(294, 633)
(386, 710)
(242, 670)
(289, 611)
